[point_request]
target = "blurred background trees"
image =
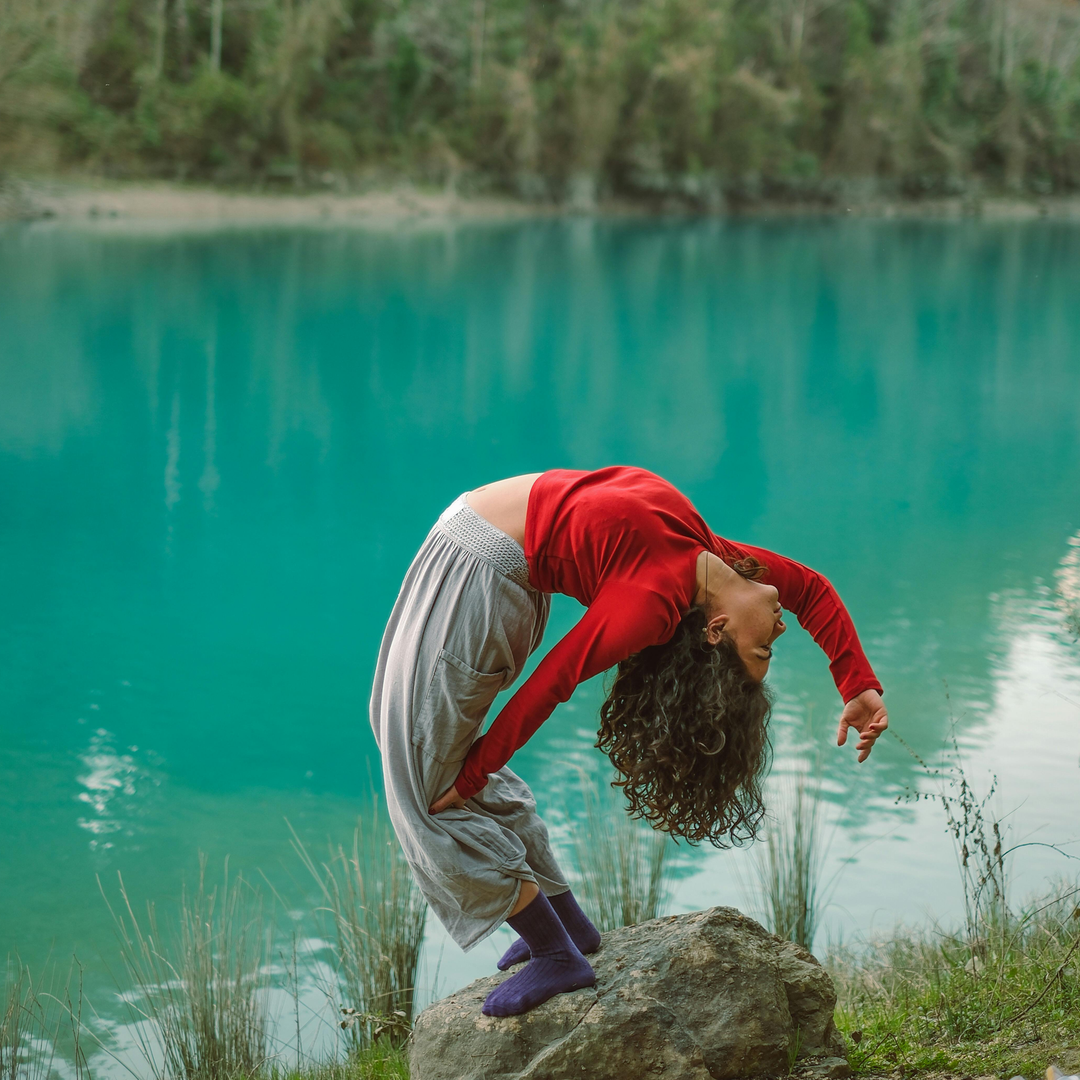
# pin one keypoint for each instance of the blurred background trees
(688, 102)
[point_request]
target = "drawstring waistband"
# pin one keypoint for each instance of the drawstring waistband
(464, 525)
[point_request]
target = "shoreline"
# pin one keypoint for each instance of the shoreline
(148, 204)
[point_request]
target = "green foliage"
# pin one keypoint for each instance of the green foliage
(653, 99)
(379, 1062)
(207, 126)
(111, 69)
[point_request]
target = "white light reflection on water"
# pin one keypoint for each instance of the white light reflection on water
(115, 788)
(1068, 583)
(40, 1057)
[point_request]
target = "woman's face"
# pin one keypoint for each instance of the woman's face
(754, 620)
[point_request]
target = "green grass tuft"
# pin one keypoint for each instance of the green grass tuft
(1007, 1003)
(381, 1061)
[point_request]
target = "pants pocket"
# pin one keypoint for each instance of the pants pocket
(457, 700)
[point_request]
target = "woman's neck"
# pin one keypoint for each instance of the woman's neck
(714, 577)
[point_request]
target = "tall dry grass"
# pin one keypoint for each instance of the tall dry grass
(41, 1024)
(622, 866)
(199, 998)
(378, 916)
(790, 866)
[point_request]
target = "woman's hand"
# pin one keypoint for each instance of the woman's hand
(446, 800)
(866, 714)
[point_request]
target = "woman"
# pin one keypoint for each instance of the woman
(689, 617)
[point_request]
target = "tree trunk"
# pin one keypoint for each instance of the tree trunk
(160, 28)
(183, 41)
(217, 14)
(479, 14)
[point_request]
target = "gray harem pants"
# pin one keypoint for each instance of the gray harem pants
(464, 624)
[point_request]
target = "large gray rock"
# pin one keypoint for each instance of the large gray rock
(706, 996)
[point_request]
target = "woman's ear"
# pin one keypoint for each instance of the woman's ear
(714, 629)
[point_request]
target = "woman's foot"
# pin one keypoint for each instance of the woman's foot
(556, 967)
(581, 930)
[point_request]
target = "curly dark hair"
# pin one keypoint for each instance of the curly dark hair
(686, 727)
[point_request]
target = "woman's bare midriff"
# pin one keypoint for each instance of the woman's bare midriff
(504, 503)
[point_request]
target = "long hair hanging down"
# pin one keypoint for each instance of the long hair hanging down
(686, 727)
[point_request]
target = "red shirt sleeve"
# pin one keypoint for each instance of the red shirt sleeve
(622, 619)
(821, 612)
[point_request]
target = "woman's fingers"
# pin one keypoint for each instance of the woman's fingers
(849, 719)
(445, 800)
(868, 729)
(868, 736)
(866, 714)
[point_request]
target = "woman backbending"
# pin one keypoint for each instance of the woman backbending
(689, 617)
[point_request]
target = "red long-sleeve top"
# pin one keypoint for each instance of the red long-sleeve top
(625, 543)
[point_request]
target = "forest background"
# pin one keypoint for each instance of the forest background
(702, 103)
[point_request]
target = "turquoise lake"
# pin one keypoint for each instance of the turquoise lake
(220, 450)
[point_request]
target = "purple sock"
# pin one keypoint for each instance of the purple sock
(582, 932)
(556, 966)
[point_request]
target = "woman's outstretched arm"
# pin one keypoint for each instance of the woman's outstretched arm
(811, 597)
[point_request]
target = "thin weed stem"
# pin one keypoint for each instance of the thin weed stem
(36, 1020)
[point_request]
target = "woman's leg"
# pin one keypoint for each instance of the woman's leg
(556, 967)
(508, 798)
(529, 892)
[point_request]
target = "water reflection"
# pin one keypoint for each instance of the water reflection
(115, 791)
(219, 454)
(1068, 583)
(210, 479)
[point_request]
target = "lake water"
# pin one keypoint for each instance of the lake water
(219, 451)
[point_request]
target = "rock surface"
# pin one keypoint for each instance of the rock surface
(706, 996)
